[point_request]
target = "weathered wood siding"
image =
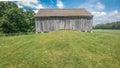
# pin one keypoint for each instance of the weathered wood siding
(47, 24)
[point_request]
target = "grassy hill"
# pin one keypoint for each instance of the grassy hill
(61, 49)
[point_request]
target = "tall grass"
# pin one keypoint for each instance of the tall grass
(61, 49)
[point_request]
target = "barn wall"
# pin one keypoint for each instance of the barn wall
(47, 24)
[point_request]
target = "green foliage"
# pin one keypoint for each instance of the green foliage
(6, 5)
(14, 19)
(61, 49)
(113, 25)
(30, 19)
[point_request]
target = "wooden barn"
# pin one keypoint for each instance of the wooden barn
(47, 20)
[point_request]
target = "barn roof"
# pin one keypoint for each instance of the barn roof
(63, 12)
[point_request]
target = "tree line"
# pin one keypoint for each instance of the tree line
(14, 19)
(113, 25)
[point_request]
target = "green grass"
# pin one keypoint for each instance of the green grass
(61, 49)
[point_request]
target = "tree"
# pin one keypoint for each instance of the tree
(4, 6)
(113, 25)
(14, 19)
(30, 18)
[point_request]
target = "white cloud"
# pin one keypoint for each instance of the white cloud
(6, 0)
(35, 11)
(18, 0)
(30, 3)
(93, 5)
(104, 17)
(115, 12)
(99, 6)
(59, 4)
(98, 14)
(20, 6)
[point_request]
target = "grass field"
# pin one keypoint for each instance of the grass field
(61, 49)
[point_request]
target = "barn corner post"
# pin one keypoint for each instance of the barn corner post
(47, 20)
(91, 25)
(36, 26)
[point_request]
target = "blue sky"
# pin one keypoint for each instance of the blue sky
(103, 10)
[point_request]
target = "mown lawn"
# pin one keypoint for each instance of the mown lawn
(61, 49)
